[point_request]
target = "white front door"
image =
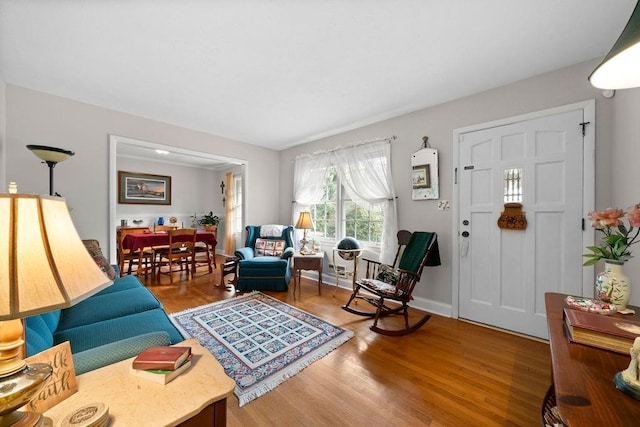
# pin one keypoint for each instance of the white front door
(504, 273)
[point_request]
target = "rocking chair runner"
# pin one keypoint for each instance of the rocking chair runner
(421, 251)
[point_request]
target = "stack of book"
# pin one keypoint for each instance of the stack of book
(161, 364)
(612, 332)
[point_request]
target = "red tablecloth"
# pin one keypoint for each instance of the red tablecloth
(136, 241)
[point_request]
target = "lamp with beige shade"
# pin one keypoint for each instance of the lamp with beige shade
(44, 267)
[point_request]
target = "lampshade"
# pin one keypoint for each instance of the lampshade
(44, 264)
(620, 69)
(304, 221)
(50, 154)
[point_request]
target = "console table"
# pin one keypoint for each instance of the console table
(195, 398)
(583, 376)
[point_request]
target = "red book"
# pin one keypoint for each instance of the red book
(161, 357)
(612, 332)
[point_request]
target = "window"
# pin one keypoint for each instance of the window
(237, 203)
(512, 185)
(325, 213)
(362, 224)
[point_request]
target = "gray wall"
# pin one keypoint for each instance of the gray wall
(35, 117)
(38, 118)
(3, 134)
(549, 90)
(185, 183)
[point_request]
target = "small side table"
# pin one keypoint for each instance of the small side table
(307, 262)
(230, 266)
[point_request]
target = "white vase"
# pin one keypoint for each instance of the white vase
(612, 285)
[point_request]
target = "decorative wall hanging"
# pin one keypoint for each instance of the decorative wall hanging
(144, 188)
(424, 172)
(512, 218)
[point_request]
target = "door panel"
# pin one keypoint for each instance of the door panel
(503, 274)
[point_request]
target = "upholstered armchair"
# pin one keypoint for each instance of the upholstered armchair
(264, 263)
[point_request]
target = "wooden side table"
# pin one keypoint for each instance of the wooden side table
(307, 262)
(197, 397)
(583, 386)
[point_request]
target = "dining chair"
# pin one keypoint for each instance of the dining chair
(181, 249)
(124, 255)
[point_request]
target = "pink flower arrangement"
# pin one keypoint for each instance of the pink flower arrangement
(617, 237)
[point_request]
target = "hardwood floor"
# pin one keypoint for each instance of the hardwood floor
(448, 373)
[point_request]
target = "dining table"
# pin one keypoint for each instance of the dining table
(140, 241)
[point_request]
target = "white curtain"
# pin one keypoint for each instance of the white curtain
(309, 176)
(365, 173)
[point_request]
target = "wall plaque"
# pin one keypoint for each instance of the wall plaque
(62, 383)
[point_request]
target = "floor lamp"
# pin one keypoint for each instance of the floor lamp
(51, 156)
(44, 266)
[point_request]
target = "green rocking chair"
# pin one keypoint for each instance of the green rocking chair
(421, 251)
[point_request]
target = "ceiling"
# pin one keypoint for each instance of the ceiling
(283, 72)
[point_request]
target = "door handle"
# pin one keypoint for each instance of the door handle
(464, 244)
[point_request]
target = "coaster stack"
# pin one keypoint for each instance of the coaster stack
(91, 415)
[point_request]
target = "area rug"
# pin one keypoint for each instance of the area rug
(259, 340)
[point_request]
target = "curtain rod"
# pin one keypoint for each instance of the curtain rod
(389, 139)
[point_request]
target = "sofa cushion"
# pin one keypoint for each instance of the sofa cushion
(108, 354)
(108, 306)
(96, 334)
(269, 247)
(121, 284)
(93, 247)
(264, 263)
(39, 331)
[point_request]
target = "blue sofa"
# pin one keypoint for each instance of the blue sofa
(259, 272)
(113, 325)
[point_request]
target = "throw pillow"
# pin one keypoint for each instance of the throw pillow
(93, 247)
(387, 274)
(268, 247)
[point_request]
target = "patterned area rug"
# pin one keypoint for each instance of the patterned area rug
(259, 340)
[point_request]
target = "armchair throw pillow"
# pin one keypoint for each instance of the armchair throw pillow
(269, 247)
(387, 274)
(93, 247)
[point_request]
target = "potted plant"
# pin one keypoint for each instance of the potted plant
(210, 222)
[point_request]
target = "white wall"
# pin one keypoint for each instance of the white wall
(624, 147)
(192, 191)
(553, 89)
(37, 118)
(3, 135)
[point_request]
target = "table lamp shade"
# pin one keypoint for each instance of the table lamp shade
(45, 265)
(304, 221)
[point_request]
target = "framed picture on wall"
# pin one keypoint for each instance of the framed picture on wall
(144, 188)
(421, 176)
(424, 174)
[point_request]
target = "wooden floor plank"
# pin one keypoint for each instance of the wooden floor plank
(448, 373)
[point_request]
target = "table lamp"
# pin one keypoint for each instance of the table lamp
(44, 266)
(305, 223)
(51, 156)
